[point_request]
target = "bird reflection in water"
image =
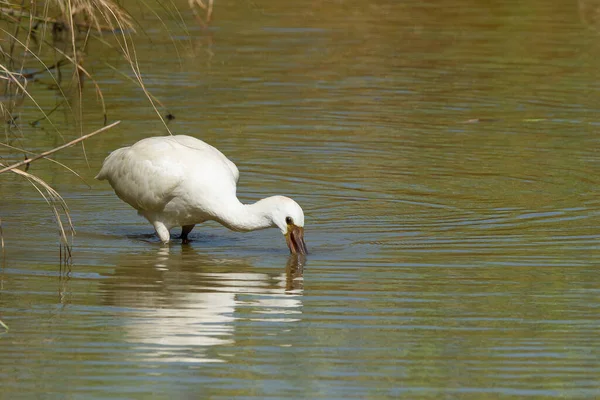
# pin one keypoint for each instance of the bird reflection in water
(162, 259)
(294, 271)
(188, 304)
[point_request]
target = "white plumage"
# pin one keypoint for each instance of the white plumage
(182, 181)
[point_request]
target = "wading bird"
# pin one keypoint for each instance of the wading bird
(182, 181)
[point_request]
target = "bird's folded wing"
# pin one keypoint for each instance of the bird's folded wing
(142, 182)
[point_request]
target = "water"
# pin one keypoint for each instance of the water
(446, 159)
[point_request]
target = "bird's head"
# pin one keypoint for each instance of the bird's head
(289, 218)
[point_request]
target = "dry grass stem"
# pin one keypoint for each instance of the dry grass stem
(93, 12)
(88, 75)
(2, 238)
(50, 195)
(207, 7)
(17, 78)
(128, 50)
(52, 37)
(47, 153)
(54, 200)
(46, 158)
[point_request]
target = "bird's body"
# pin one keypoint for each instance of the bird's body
(182, 181)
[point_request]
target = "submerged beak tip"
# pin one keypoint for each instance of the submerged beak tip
(295, 240)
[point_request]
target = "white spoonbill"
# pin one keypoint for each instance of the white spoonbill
(182, 181)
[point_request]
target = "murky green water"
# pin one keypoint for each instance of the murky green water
(446, 156)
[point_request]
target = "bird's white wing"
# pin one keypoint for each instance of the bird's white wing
(141, 178)
(201, 146)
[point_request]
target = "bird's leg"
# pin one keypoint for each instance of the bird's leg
(162, 231)
(185, 230)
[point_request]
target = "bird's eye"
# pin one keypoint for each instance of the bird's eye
(288, 220)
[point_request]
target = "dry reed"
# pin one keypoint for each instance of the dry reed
(48, 38)
(53, 198)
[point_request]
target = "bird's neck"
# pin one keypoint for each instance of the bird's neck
(246, 217)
